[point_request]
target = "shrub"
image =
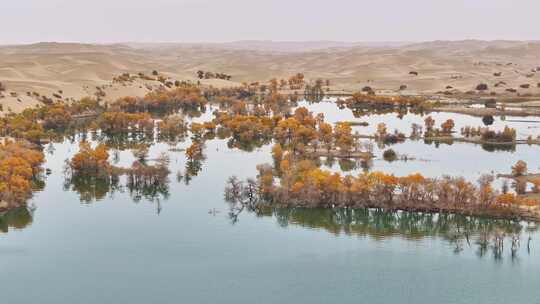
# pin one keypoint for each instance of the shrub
(367, 89)
(481, 87)
(488, 120)
(390, 155)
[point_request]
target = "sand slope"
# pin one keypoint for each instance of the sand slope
(77, 69)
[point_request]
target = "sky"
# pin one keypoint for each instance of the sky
(111, 21)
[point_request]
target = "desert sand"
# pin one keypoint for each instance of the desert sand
(71, 71)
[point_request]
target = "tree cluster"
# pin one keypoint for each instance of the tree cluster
(303, 184)
(20, 168)
(210, 75)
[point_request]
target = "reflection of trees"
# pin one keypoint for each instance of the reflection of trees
(153, 193)
(171, 138)
(194, 112)
(91, 189)
(192, 169)
(460, 231)
(499, 147)
(248, 146)
(94, 189)
(123, 141)
(17, 218)
(438, 142)
(347, 164)
(381, 224)
(362, 111)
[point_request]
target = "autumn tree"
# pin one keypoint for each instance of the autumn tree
(381, 130)
(486, 193)
(519, 169)
(277, 153)
(343, 137)
(326, 135)
(20, 165)
(91, 162)
(447, 126)
(429, 123)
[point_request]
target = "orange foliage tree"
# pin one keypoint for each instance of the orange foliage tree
(20, 165)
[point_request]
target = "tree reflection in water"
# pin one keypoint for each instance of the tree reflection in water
(484, 235)
(17, 218)
(91, 190)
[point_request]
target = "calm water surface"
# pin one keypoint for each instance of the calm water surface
(171, 249)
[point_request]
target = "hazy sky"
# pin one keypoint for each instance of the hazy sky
(24, 21)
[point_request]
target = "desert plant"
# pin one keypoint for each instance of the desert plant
(481, 87)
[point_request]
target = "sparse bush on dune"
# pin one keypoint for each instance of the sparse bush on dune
(2, 87)
(511, 90)
(368, 89)
(125, 77)
(525, 86)
(146, 77)
(482, 87)
(415, 73)
(210, 75)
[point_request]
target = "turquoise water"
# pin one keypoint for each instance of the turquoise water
(184, 248)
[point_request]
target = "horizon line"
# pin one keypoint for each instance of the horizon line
(265, 41)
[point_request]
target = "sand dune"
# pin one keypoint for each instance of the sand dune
(77, 69)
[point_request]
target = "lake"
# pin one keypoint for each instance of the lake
(182, 246)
